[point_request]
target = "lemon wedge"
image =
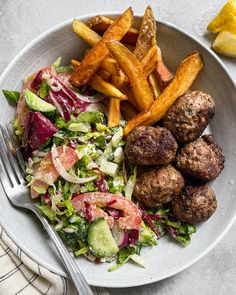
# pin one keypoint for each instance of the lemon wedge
(225, 20)
(225, 43)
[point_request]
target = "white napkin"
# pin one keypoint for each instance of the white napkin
(19, 274)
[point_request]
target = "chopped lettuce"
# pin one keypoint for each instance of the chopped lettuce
(67, 69)
(47, 211)
(90, 117)
(80, 127)
(18, 128)
(57, 62)
(123, 257)
(11, 96)
(147, 236)
(129, 188)
(43, 89)
(117, 137)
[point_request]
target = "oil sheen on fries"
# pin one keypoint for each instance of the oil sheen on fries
(114, 104)
(133, 70)
(156, 90)
(108, 89)
(84, 72)
(150, 60)
(183, 79)
(147, 34)
(128, 110)
(101, 23)
(89, 36)
(163, 74)
(99, 84)
(146, 49)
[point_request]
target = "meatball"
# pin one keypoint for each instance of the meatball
(158, 186)
(195, 204)
(201, 160)
(190, 115)
(147, 145)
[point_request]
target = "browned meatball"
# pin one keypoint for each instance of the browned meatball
(190, 115)
(201, 159)
(195, 204)
(147, 145)
(158, 186)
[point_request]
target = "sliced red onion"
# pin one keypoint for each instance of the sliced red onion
(88, 212)
(150, 223)
(101, 184)
(111, 202)
(97, 260)
(63, 173)
(91, 98)
(39, 153)
(120, 235)
(64, 78)
(154, 216)
(116, 214)
(72, 144)
(69, 230)
(133, 236)
(171, 231)
(37, 81)
(64, 104)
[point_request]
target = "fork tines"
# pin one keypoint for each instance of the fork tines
(10, 170)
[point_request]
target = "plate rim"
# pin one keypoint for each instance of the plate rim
(148, 280)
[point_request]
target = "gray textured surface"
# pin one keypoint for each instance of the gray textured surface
(21, 21)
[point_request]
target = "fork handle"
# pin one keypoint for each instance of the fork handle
(73, 270)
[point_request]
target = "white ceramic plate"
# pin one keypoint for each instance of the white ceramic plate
(168, 258)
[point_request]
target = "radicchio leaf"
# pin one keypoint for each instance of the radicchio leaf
(38, 129)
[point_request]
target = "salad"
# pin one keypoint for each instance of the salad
(78, 172)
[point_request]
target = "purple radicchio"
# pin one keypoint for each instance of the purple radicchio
(38, 129)
(61, 96)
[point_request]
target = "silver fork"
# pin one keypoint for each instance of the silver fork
(14, 185)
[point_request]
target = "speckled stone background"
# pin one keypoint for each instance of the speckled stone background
(23, 20)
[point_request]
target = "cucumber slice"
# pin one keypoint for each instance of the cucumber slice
(100, 239)
(37, 104)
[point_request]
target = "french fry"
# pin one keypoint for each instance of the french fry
(75, 63)
(99, 52)
(147, 39)
(114, 104)
(88, 35)
(104, 74)
(114, 112)
(150, 61)
(92, 38)
(136, 121)
(101, 23)
(152, 80)
(128, 110)
(133, 70)
(147, 34)
(99, 84)
(110, 65)
(183, 79)
(163, 74)
(146, 49)
(126, 89)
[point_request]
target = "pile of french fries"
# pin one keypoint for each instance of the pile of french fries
(126, 65)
